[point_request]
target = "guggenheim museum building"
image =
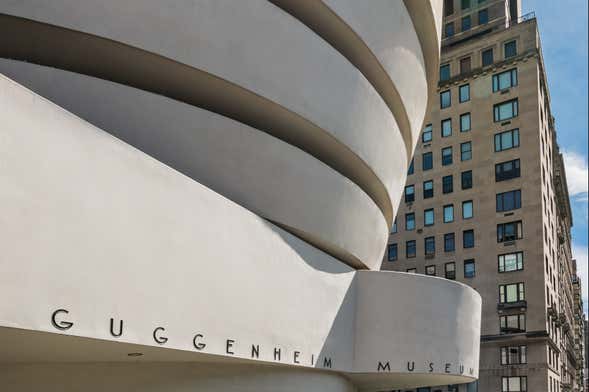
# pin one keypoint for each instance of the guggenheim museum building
(195, 195)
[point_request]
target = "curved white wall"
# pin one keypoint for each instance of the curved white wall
(264, 174)
(98, 228)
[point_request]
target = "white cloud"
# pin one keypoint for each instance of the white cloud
(580, 254)
(577, 175)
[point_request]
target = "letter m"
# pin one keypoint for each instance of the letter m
(382, 368)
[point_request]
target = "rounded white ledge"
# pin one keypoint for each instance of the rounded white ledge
(177, 260)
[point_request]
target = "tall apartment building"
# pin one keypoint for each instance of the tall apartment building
(486, 201)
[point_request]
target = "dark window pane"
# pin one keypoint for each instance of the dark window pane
(448, 7)
(428, 189)
(466, 24)
(446, 156)
(487, 57)
(392, 252)
(510, 49)
(483, 16)
(449, 29)
(449, 242)
(464, 4)
(410, 249)
(468, 239)
(466, 178)
(427, 161)
(444, 72)
(447, 184)
(430, 245)
(427, 134)
(469, 268)
(411, 168)
(465, 65)
(507, 170)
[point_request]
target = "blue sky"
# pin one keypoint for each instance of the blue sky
(563, 33)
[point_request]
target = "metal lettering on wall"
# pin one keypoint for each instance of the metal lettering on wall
(117, 329)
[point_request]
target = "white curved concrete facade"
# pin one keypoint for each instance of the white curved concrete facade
(232, 168)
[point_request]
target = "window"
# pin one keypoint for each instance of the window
(510, 293)
(428, 189)
(427, 161)
(468, 239)
(426, 137)
(467, 209)
(483, 16)
(487, 57)
(469, 268)
(428, 217)
(392, 252)
(505, 110)
(410, 221)
(508, 201)
(509, 231)
(466, 151)
(464, 66)
(466, 179)
(466, 23)
(465, 122)
(510, 49)
(444, 72)
(412, 270)
(448, 213)
(448, 7)
(409, 193)
(505, 80)
(445, 99)
(430, 245)
(513, 323)
(464, 92)
(511, 262)
(507, 170)
(464, 4)
(450, 270)
(449, 29)
(447, 184)
(446, 156)
(394, 229)
(449, 242)
(410, 250)
(430, 270)
(506, 140)
(446, 127)
(411, 168)
(514, 355)
(514, 384)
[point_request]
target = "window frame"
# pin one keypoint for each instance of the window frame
(449, 238)
(520, 292)
(518, 235)
(514, 110)
(506, 175)
(497, 78)
(449, 207)
(505, 55)
(445, 161)
(500, 200)
(395, 255)
(505, 355)
(445, 93)
(466, 88)
(430, 155)
(519, 262)
(428, 273)
(407, 215)
(506, 330)
(443, 68)
(466, 23)
(409, 197)
(464, 232)
(466, 202)
(483, 62)
(462, 177)
(451, 275)
(468, 152)
(463, 116)
(498, 140)
(426, 212)
(429, 246)
(443, 128)
(413, 246)
(428, 130)
(447, 186)
(486, 13)
(428, 193)
(469, 275)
